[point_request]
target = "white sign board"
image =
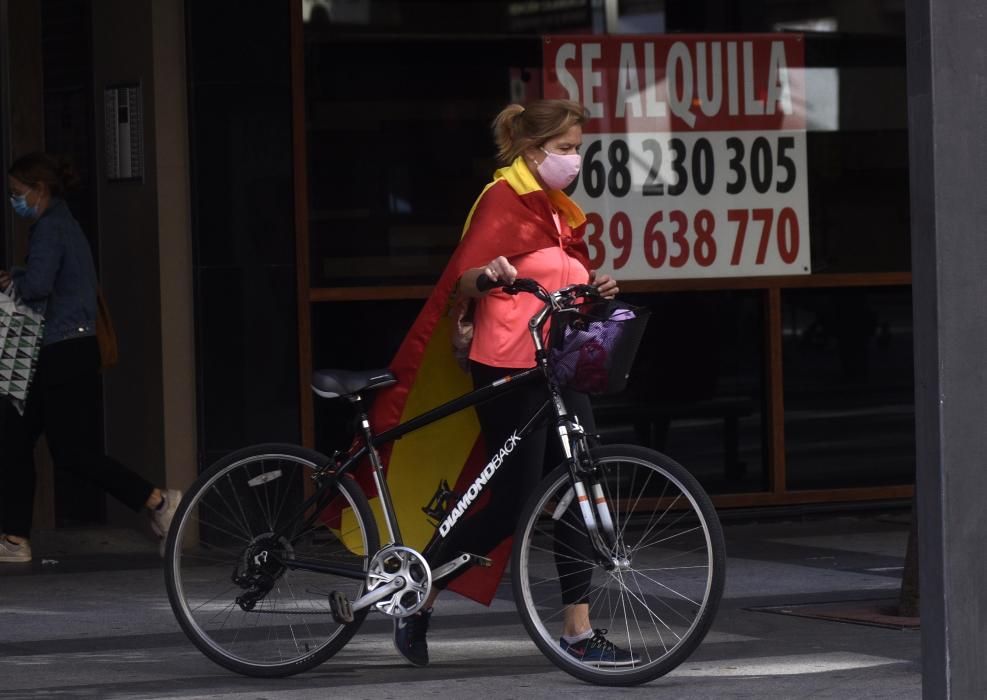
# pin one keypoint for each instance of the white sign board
(694, 156)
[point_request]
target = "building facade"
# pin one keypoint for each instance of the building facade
(301, 171)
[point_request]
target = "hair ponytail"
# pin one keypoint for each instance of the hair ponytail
(506, 131)
(517, 128)
(67, 173)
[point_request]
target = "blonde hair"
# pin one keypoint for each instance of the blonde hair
(517, 128)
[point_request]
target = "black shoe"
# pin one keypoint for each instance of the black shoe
(600, 651)
(409, 637)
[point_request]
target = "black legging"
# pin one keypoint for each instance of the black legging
(63, 403)
(515, 481)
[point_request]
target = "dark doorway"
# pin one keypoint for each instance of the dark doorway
(66, 52)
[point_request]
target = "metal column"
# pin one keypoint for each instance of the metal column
(947, 116)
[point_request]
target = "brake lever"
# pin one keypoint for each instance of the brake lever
(523, 284)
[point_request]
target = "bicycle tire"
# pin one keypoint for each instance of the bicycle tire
(664, 596)
(218, 534)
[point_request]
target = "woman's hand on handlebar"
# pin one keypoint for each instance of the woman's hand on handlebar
(605, 285)
(498, 270)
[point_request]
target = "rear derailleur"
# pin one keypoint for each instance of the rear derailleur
(259, 568)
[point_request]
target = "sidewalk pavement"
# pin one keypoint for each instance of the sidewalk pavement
(89, 618)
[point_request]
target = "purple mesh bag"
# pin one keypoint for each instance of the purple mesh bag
(592, 346)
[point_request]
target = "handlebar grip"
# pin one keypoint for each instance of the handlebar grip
(484, 283)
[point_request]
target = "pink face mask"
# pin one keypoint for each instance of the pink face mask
(558, 171)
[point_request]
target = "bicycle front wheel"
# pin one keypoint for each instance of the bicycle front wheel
(233, 555)
(656, 596)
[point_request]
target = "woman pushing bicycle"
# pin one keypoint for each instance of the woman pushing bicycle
(522, 225)
(280, 552)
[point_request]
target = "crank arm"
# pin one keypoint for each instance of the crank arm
(457, 564)
(368, 599)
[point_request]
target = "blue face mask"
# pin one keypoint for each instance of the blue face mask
(21, 207)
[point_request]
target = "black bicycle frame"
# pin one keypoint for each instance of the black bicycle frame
(371, 442)
(319, 500)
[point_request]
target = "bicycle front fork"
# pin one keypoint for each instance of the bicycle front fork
(586, 489)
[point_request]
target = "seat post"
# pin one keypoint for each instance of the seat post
(387, 505)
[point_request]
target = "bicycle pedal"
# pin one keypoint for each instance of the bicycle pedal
(477, 560)
(339, 604)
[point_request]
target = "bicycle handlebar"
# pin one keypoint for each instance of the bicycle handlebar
(484, 283)
(526, 284)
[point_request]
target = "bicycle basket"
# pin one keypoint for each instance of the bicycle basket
(592, 345)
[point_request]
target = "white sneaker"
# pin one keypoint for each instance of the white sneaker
(14, 553)
(161, 517)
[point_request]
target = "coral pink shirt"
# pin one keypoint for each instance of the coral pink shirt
(500, 321)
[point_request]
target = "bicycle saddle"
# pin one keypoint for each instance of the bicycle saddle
(332, 383)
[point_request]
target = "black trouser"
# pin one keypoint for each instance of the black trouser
(517, 478)
(63, 403)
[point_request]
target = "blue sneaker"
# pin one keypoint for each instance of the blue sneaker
(599, 651)
(409, 637)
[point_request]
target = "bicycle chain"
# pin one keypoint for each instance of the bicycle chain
(288, 612)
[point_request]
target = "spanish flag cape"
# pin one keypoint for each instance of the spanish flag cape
(511, 217)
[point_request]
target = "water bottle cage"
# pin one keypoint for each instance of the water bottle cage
(441, 504)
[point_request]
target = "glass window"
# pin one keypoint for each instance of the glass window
(242, 225)
(399, 100)
(849, 387)
(857, 154)
(696, 389)
(399, 147)
(354, 335)
(444, 17)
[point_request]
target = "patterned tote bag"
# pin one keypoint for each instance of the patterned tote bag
(21, 331)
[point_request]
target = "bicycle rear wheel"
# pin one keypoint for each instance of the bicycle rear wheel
(658, 595)
(230, 555)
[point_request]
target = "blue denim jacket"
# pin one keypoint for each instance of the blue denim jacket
(60, 277)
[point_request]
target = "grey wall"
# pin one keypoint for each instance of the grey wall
(129, 252)
(146, 249)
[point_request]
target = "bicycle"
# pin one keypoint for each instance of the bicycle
(274, 557)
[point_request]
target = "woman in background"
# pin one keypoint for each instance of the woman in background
(59, 280)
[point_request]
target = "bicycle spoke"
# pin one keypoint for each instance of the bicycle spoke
(248, 517)
(666, 539)
(661, 638)
(654, 594)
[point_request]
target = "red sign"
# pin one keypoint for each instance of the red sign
(723, 82)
